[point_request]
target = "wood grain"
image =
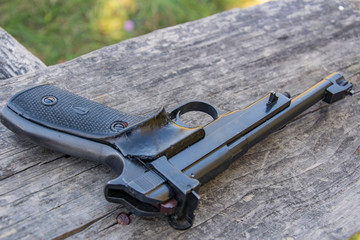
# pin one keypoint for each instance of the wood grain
(15, 59)
(302, 182)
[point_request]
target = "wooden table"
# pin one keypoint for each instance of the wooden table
(302, 182)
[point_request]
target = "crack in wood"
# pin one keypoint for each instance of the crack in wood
(82, 227)
(20, 200)
(27, 168)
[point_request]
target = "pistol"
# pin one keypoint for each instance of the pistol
(161, 161)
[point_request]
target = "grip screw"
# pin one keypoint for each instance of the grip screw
(118, 126)
(49, 100)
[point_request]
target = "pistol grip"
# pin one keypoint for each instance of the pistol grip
(63, 111)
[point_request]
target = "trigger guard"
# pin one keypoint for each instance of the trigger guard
(179, 122)
(198, 106)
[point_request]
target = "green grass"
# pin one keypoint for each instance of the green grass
(59, 30)
(356, 236)
(52, 30)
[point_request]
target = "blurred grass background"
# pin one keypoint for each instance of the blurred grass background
(59, 30)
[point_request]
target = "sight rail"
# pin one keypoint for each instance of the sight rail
(161, 161)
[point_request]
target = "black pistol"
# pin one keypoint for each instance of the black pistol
(160, 160)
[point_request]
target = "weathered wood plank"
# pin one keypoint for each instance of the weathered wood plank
(14, 58)
(301, 182)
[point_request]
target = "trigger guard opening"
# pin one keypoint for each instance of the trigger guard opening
(197, 106)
